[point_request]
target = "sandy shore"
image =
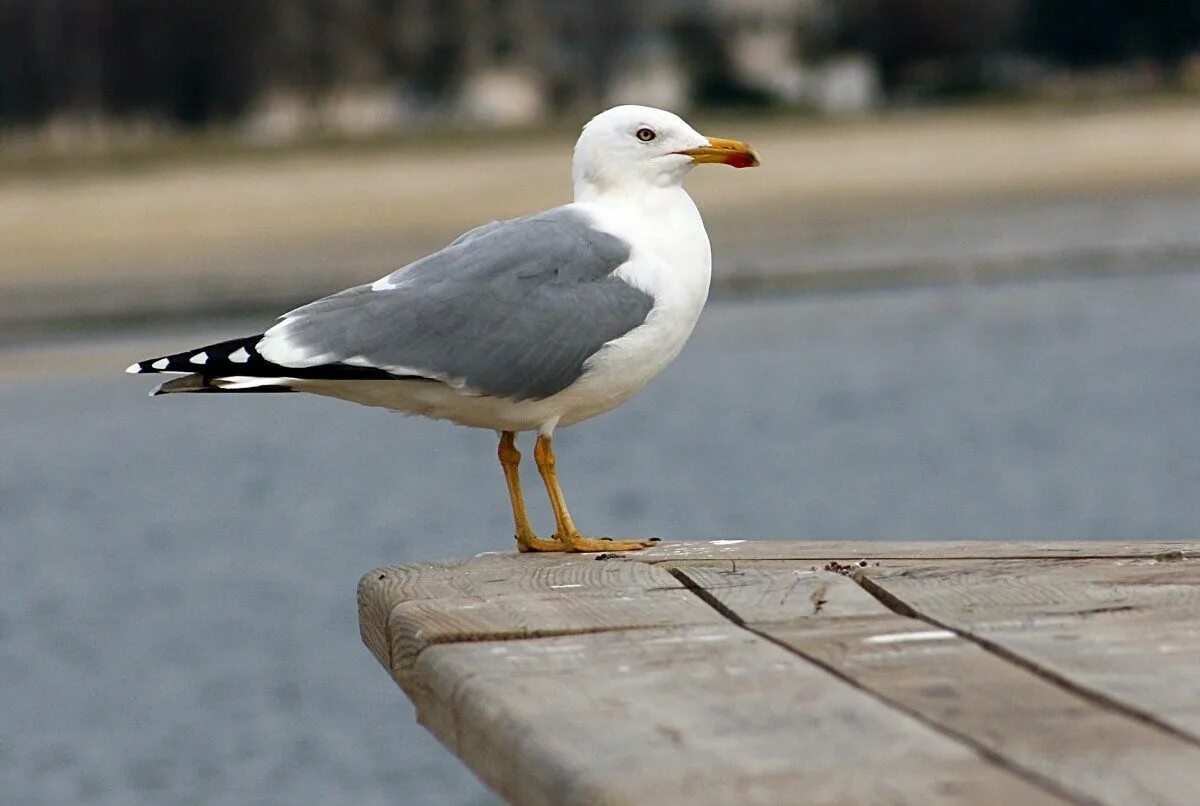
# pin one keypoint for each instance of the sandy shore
(930, 191)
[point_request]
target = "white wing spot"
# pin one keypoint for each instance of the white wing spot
(161, 363)
(200, 358)
(239, 356)
(133, 369)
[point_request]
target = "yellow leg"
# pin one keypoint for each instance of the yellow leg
(510, 460)
(543, 454)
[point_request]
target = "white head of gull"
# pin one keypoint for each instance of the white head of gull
(630, 150)
(520, 325)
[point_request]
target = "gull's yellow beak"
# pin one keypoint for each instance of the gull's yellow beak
(730, 152)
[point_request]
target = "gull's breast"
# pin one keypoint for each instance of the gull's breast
(672, 262)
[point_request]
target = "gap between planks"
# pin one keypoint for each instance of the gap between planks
(1032, 777)
(900, 607)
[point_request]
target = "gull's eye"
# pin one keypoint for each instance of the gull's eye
(646, 135)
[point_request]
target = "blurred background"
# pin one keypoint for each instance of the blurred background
(959, 300)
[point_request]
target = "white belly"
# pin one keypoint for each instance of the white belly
(619, 370)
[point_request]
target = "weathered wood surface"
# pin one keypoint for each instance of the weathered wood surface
(808, 672)
(708, 714)
(955, 684)
(1128, 631)
(404, 609)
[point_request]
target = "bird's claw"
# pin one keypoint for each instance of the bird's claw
(581, 544)
(531, 542)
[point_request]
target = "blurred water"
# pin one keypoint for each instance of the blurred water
(177, 617)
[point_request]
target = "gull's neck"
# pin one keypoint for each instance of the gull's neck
(658, 211)
(662, 221)
(635, 196)
(586, 190)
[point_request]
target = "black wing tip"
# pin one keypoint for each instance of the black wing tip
(212, 359)
(240, 357)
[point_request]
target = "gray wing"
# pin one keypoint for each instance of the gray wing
(480, 230)
(511, 309)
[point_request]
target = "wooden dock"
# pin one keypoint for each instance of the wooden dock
(785, 672)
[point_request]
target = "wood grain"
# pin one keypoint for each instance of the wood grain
(695, 715)
(1125, 630)
(403, 609)
(768, 592)
(1081, 748)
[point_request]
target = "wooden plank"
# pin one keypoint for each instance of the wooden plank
(917, 550)
(403, 609)
(692, 715)
(1088, 751)
(1127, 631)
(769, 592)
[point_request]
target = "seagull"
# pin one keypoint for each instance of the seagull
(521, 325)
